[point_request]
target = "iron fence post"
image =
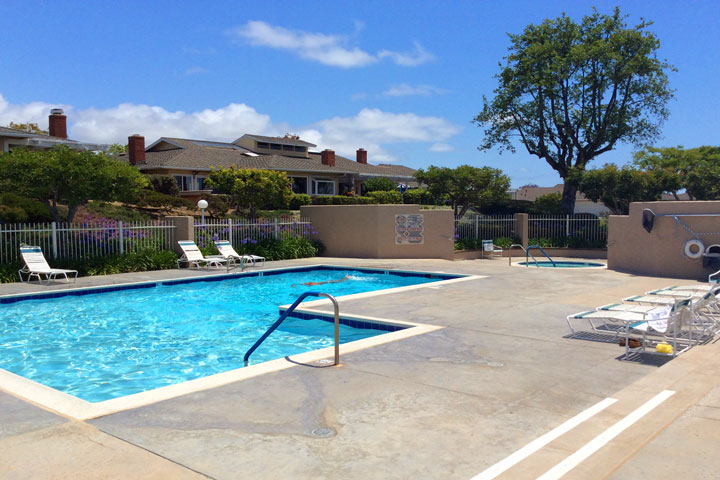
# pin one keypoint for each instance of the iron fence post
(54, 239)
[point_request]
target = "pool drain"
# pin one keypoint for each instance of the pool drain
(323, 432)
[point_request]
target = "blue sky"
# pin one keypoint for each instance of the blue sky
(401, 79)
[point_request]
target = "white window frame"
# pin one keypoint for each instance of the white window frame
(315, 181)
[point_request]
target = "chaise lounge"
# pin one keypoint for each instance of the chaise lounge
(36, 266)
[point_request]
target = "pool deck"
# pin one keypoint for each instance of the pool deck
(450, 403)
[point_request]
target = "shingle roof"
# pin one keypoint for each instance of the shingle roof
(196, 154)
(280, 140)
(14, 132)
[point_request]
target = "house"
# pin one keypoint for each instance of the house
(313, 173)
(57, 135)
(582, 204)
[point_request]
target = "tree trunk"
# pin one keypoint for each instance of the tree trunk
(567, 205)
(72, 209)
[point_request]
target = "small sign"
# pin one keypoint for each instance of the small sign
(409, 229)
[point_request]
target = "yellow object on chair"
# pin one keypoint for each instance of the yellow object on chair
(664, 348)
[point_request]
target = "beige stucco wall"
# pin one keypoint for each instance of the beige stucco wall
(661, 252)
(368, 231)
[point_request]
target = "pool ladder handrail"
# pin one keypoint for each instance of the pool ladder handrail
(541, 250)
(526, 255)
(287, 312)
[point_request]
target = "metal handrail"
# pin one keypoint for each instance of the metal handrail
(288, 312)
(710, 277)
(526, 254)
(543, 252)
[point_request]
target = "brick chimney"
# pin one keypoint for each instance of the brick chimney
(57, 123)
(136, 149)
(361, 156)
(328, 157)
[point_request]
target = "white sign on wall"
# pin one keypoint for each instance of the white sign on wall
(409, 229)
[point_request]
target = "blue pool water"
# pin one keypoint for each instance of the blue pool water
(100, 346)
(565, 264)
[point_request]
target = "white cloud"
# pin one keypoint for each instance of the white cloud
(372, 129)
(326, 49)
(441, 147)
(404, 90)
(412, 59)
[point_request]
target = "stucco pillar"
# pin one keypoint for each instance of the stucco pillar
(184, 230)
(521, 228)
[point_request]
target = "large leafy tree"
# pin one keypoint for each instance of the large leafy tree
(569, 92)
(28, 127)
(697, 170)
(70, 177)
(617, 187)
(465, 186)
(252, 188)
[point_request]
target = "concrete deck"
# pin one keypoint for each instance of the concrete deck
(445, 404)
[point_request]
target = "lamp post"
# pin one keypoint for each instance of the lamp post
(202, 205)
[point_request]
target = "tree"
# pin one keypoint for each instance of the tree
(252, 188)
(617, 187)
(697, 170)
(117, 149)
(380, 184)
(465, 186)
(570, 92)
(70, 177)
(28, 127)
(548, 204)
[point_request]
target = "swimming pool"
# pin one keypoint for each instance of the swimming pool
(100, 344)
(562, 264)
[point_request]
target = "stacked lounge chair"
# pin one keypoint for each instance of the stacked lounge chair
(667, 321)
(192, 256)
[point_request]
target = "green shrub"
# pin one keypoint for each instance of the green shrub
(386, 197)
(298, 200)
(35, 210)
(342, 200)
(419, 196)
(9, 272)
(476, 243)
(218, 205)
(150, 198)
(116, 212)
(281, 249)
(165, 184)
(379, 184)
(12, 214)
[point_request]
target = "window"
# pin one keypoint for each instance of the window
(298, 148)
(201, 183)
(263, 145)
(275, 146)
(184, 182)
(299, 184)
(323, 186)
(288, 148)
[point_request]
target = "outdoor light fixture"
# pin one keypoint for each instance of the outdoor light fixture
(202, 205)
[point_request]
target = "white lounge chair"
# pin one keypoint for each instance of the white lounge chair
(228, 252)
(193, 256)
(36, 266)
(659, 325)
(492, 250)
